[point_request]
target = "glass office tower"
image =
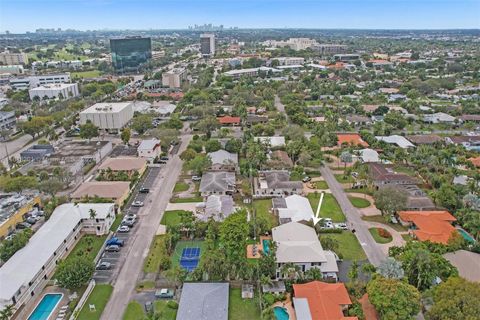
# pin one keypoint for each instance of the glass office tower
(129, 54)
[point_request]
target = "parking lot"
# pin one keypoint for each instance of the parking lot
(116, 259)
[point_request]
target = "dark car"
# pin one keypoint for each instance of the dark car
(103, 265)
(144, 190)
(164, 158)
(112, 248)
(115, 241)
(23, 225)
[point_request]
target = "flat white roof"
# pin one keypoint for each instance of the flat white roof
(298, 209)
(22, 267)
(54, 86)
(107, 107)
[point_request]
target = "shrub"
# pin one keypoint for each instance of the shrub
(384, 233)
(269, 299)
(172, 304)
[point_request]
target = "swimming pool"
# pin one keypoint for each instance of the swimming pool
(280, 313)
(466, 236)
(45, 308)
(266, 246)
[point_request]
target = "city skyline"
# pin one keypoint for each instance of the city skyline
(325, 14)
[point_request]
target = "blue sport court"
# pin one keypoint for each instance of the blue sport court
(189, 259)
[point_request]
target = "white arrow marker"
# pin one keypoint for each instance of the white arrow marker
(315, 218)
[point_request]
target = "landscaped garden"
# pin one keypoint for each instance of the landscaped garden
(240, 309)
(380, 235)
(321, 185)
(348, 245)
(99, 298)
(342, 178)
(330, 207)
(262, 209)
(156, 255)
(359, 202)
(382, 219)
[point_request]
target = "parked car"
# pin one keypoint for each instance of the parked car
(115, 241)
(104, 265)
(164, 158)
(123, 229)
(162, 161)
(144, 190)
(137, 204)
(31, 220)
(23, 225)
(164, 293)
(148, 306)
(342, 226)
(306, 179)
(196, 178)
(112, 248)
(128, 223)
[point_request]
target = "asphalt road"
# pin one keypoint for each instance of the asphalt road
(150, 216)
(373, 251)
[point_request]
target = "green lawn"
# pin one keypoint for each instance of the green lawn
(322, 185)
(86, 74)
(330, 207)
(180, 187)
(134, 311)
(344, 178)
(407, 237)
(240, 309)
(172, 218)
(349, 247)
(382, 219)
(116, 223)
(89, 244)
(177, 254)
(164, 311)
(359, 202)
(155, 255)
(362, 190)
(377, 237)
(262, 208)
(99, 297)
(187, 200)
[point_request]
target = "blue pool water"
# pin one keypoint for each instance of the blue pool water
(266, 246)
(466, 236)
(45, 308)
(280, 313)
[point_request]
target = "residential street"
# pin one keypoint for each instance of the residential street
(150, 216)
(373, 250)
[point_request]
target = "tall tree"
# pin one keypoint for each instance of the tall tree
(125, 135)
(389, 200)
(88, 130)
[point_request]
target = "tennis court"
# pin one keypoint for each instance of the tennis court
(189, 259)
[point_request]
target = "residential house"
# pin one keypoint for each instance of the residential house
(298, 244)
(475, 161)
(417, 199)
(280, 160)
(204, 301)
(217, 207)
(276, 183)
(358, 120)
(368, 155)
(381, 175)
(439, 117)
(253, 119)
(469, 142)
(422, 139)
(470, 118)
(318, 300)
(223, 160)
(352, 139)
(467, 264)
(149, 149)
(217, 182)
(229, 121)
(273, 142)
(292, 208)
(434, 226)
(397, 140)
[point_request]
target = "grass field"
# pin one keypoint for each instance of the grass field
(378, 238)
(164, 311)
(322, 185)
(344, 178)
(171, 218)
(262, 208)
(330, 207)
(116, 223)
(381, 219)
(177, 254)
(359, 202)
(240, 309)
(187, 200)
(86, 74)
(134, 311)
(99, 297)
(155, 255)
(349, 247)
(362, 190)
(180, 187)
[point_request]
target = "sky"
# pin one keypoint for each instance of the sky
(18, 16)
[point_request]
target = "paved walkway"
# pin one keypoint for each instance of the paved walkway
(374, 252)
(189, 206)
(152, 212)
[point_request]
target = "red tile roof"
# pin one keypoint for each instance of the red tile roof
(434, 226)
(475, 161)
(351, 138)
(325, 300)
(229, 120)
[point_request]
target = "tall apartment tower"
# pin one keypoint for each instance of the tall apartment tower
(207, 44)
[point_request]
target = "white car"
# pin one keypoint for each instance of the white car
(137, 204)
(123, 229)
(342, 226)
(196, 178)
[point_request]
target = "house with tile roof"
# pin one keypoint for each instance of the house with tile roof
(218, 182)
(276, 183)
(475, 161)
(397, 140)
(298, 244)
(318, 300)
(434, 226)
(352, 139)
(420, 139)
(228, 120)
(383, 175)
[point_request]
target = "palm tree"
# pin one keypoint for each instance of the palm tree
(93, 213)
(290, 270)
(7, 312)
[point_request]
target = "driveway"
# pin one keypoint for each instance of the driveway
(151, 215)
(373, 251)
(188, 206)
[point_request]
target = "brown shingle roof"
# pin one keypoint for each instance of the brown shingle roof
(102, 189)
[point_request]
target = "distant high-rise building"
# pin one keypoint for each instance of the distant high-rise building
(207, 44)
(129, 54)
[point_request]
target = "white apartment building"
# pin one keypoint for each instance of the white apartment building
(55, 91)
(207, 44)
(26, 273)
(290, 61)
(7, 58)
(174, 78)
(294, 43)
(35, 81)
(108, 116)
(149, 149)
(249, 72)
